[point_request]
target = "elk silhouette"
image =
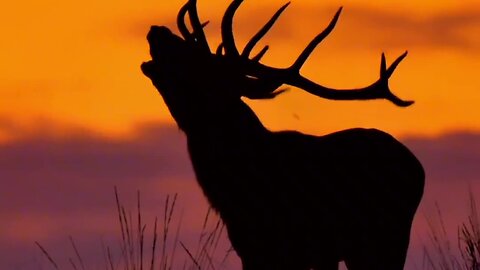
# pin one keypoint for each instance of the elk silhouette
(288, 200)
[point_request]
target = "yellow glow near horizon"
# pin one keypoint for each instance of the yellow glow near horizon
(78, 63)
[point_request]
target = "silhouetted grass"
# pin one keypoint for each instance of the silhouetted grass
(465, 255)
(161, 254)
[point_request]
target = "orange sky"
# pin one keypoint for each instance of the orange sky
(76, 64)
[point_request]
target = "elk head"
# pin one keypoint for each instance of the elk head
(185, 65)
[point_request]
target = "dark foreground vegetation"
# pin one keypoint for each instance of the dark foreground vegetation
(158, 245)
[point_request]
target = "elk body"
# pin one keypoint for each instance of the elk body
(289, 200)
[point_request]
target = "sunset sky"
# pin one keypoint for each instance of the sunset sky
(78, 117)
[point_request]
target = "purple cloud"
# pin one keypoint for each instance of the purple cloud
(54, 187)
(39, 166)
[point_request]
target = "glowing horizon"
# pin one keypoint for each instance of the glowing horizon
(67, 65)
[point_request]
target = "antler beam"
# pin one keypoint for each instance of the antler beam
(291, 75)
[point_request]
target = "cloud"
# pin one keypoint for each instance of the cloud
(7, 125)
(453, 29)
(362, 27)
(54, 186)
(451, 165)
(36, 167)
(451, 157)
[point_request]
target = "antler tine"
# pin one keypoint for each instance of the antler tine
(227, 31)
(385, 74)
(388, 72)
(248, 48)
(398, 101)
(259, 56)
(197, 25)
(182, 27)
(311, 46)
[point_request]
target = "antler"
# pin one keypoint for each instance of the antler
(291, 75)
(198, 36)
(261, 81)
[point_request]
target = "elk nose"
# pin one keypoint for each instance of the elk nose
(158, 32)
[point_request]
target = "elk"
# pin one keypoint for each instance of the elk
(288, 200)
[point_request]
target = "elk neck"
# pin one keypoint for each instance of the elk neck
(223, 142)
(232, 121)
